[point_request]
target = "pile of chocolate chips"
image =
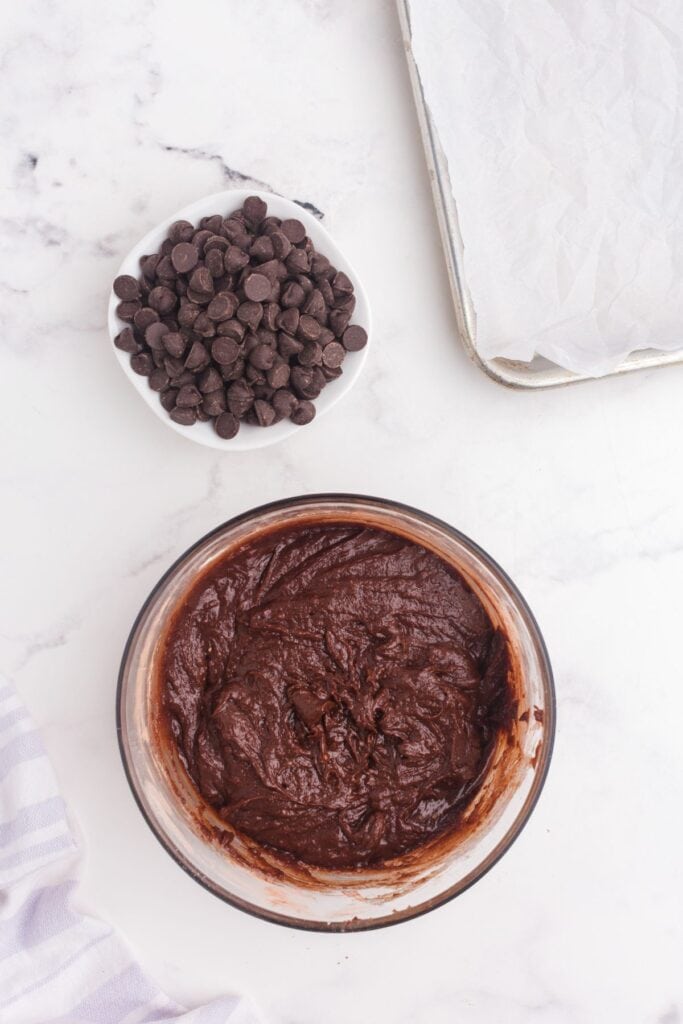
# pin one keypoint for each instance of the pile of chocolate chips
(238, 319)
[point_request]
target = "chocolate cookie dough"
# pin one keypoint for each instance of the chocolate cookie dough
(334, 692)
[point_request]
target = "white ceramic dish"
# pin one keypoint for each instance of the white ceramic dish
(225, 203)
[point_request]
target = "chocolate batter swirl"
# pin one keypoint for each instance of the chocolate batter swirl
(335, 692)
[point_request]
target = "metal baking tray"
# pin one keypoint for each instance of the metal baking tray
(540, 372)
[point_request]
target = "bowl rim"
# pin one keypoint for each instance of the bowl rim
(262, 437)
(523, 815)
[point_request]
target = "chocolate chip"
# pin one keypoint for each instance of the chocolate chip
(126, 288)
(257, 287)
(254, 375)
(333, 354)
(250, 343)
(341, 283)
(187, 314)
(288, 346)
(235, 259)
(284, 402)
(319, 264)
(225, 350)
(339, 320)
(250, 313)
(181, 231)
(184, 257)
(331, 372)
(222, 307)
(301, 379)
(298, 262)
(240, 398)
(188, 396)
(174, 367)
(186, 417)
(158, 380)
(216, 242)
(197, 358)
(209, 380)
(204, 326)
(262, 357)
(271, 311)
(142, 363)
(127, 310)
(232, 329)
(326, 336)
(214, 263)
(199, 238)
(199, 298)
(315, 305)
(274, 270)
(175, 344)
(262, 249)
(303, 414)
(266, 337)
(148, 265)
(311, 355)
(167, 398)
(165, 270)
(347, 302)
(325, 289)
(278, 375)
(254, 210)
(201, 281)
(306, 283)
(213, 403)
(265, 414)
(214, 223)
(235, 370)
(269, 225)
(144, 317)
(126, 341)
(288, 320)
(154, 335)
(281, 244)
(293, 295)
(309, 328)
(293, 230)
(227, 425)
(162, 299)
(355, 338)
(235, 231)
(312, 388)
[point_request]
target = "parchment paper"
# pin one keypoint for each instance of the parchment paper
(562, 127)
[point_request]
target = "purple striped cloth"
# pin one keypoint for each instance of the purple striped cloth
(58, 966)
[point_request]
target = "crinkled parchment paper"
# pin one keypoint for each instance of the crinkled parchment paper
(562, 124)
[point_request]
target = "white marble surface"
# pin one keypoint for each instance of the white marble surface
(114, 115)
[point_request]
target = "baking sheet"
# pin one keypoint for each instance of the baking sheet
(539, 372)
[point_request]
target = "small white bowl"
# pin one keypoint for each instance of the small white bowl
(225, 203)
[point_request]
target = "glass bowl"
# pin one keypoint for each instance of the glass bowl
(249, 877)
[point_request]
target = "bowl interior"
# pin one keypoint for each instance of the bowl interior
(244, 874)
(225, 203)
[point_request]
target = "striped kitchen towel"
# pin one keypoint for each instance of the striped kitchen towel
(58, 966)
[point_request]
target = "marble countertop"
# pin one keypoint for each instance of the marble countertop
(113, 117)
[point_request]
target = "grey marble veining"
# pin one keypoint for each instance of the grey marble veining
(112, 117)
